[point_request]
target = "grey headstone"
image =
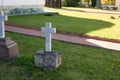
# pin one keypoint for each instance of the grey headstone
(47, 60)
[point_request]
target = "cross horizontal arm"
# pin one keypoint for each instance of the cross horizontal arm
(2, 16)
(48, 30)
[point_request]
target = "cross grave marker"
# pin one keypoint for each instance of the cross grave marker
(2, 28)
(48, 59)
(48, 30)
(8, 48)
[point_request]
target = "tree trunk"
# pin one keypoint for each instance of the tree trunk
(99, 3)
(88, 1)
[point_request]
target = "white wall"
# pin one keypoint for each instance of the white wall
(22, 2)
(118, 3)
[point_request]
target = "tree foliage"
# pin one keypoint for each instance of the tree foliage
(71, 3)
(93, 3)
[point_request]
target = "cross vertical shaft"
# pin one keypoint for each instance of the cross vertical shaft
(48, 30)
(48, 39)
(2, 28)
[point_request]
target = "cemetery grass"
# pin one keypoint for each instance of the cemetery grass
(78, 62)
(97, 25)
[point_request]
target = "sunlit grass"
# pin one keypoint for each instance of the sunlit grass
(100, 25)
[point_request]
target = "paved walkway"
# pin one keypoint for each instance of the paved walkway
(66, 38)
(97, 12)
(86, 10)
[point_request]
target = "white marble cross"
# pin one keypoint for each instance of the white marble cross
(2, 28)
(48, 30)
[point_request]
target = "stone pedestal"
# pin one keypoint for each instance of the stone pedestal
(47, 60)
(8, 49)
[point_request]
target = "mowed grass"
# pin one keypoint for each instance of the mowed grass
(78, 62)
(100, 25)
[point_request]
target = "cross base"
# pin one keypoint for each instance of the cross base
(47, 60)
(8, 49)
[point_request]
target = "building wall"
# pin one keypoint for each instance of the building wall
(118, 3)
(16, 7)
(22, 3)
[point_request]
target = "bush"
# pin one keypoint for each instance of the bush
(71, 3)
(93, 3)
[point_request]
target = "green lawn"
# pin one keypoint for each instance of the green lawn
(78, 62)
(100, 25)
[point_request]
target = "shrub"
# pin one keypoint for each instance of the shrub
(71, 3)
(93, 3)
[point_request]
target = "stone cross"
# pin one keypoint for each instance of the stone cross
(48, 30)
(2, 28)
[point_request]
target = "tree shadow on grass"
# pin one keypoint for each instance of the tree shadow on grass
(61, 22)
(79, 25)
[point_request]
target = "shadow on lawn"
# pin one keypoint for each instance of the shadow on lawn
(79, 25)
(61, 22)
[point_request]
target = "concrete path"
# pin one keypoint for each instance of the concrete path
(66, 38)
(97, 12)
(86, 10)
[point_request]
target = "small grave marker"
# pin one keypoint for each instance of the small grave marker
(8, 48)
(2, 28)
(48, 59)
